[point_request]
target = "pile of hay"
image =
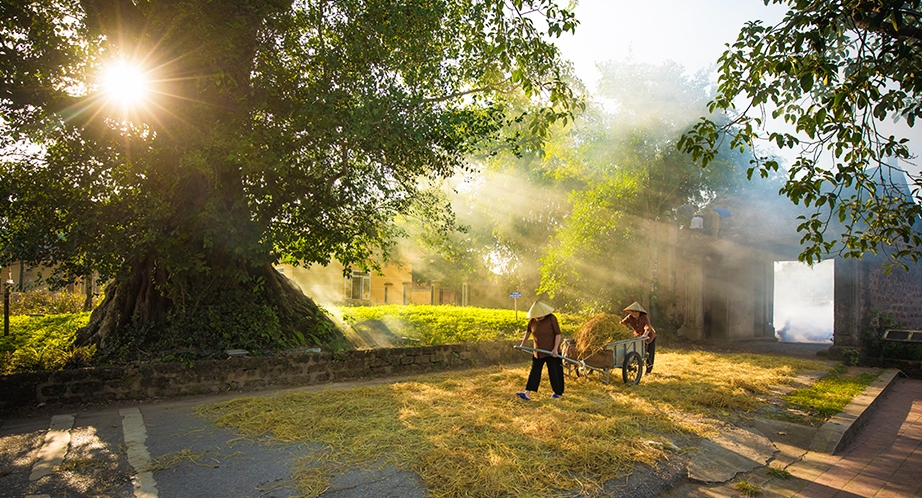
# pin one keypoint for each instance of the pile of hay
(598, 331)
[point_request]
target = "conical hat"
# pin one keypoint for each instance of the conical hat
(635, 306)
(538, 310)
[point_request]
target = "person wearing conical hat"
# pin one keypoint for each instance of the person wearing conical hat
(639, 321)
(543, 326)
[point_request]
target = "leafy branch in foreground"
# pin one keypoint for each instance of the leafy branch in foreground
(834, 71)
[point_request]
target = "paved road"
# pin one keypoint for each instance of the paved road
(190, 457)
(164, 449)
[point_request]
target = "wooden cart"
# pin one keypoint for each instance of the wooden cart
(629, 355)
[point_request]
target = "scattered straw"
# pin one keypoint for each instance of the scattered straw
(465, 434)
(170, 460)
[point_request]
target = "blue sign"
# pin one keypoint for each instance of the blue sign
(515, 295)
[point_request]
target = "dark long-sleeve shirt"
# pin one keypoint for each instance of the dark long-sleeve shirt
(545, 333)
(639, 324)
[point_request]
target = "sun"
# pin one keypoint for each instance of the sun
(125, 84)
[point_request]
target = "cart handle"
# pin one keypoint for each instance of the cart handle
(562, 357)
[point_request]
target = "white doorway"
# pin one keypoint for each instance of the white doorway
(804, 306)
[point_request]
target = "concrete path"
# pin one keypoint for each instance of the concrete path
(882, 460)
(885, 459)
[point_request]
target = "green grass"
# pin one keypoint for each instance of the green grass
(747, 488)
(830, 395)
(778, 472)
(432, 325)
(43, 343)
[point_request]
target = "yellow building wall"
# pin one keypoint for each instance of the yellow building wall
(327, 284)
(28, 278)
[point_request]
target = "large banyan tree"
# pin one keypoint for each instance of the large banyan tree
(253, 131)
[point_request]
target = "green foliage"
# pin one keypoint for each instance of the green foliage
(876, 323)
(834, 71)
(272, 130)
(44, 343)
(830, 395)
(779, 472)
(747, 488)
(627, 181)
(577, 219)
(432, 325)
(43, 302)
(850, 357)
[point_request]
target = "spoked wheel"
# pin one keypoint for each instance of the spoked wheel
(632, 370)
(571, 370)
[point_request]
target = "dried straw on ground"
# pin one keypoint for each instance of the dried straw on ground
(598, 331)
(466, 434)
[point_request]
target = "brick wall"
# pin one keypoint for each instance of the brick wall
(898, 294)
(161, 380)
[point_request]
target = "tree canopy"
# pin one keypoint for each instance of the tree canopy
(834, 76)
(579, 220)
(269, 131)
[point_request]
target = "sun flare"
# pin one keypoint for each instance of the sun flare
(125, 84)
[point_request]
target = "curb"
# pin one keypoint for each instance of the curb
(838, 431)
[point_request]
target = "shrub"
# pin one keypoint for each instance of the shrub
(43, 343)
(850, 357)
(43, 302)
(872, 332)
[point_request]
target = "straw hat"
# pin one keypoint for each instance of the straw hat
(538, 310)
(635, 306)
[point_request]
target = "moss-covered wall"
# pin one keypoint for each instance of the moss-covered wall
(162, 380)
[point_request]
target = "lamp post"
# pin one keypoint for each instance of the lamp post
(6, 306)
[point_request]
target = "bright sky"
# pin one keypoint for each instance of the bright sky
(690, 32)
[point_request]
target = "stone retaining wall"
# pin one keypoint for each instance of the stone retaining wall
(161, 380)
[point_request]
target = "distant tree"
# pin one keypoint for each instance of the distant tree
(834, 72)
(628, 181)
(577, 218)
(271, 131)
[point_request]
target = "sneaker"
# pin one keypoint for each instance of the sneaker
(523, 396)
(556, 396)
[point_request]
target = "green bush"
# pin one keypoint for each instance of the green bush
(43, 343)
(43, 302)
(46, 342)
(872, 333)
(432, 325)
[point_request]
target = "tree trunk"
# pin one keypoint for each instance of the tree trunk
(129, 303)
(215, 312)
(88, 292)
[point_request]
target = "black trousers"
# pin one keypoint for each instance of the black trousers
(554, 373)
(651, 353)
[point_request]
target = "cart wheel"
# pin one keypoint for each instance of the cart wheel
(571, 370)
(632, 370)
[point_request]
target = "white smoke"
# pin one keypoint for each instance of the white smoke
(804, 306)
